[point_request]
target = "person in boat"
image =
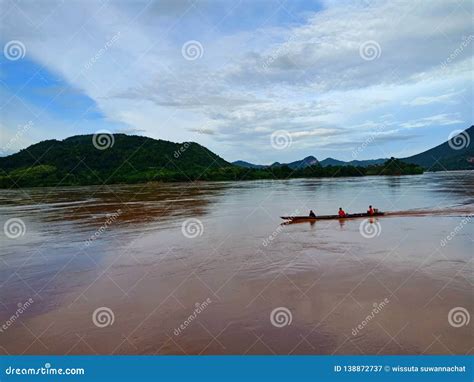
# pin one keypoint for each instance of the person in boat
(312, 214)
(342, 213)
(370, 211)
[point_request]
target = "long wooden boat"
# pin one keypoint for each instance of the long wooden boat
(330, 217)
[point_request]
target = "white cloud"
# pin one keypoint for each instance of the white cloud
(308, 79)
(427, 100)
(439, 120)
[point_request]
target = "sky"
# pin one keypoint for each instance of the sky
(260, 81)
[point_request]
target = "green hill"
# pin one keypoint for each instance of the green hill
(455, 154)
(84, 160)
(130, 159)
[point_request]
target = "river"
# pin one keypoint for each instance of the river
(208, 268)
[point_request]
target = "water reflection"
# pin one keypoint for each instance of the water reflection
(143, 268)
(139, 204)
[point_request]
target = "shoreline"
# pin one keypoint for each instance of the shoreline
(162, 182)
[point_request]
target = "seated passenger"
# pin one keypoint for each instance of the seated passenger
(342, 214)
(312, 214)
(370, 211)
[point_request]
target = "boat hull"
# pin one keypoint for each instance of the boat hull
(330, 217)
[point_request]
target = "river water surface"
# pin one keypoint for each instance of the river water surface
(207, 268)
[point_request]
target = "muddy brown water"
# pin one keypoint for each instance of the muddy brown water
(207, 268)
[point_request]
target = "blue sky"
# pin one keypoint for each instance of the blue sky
(349, 80)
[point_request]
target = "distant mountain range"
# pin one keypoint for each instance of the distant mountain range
(120, 158)
(455, 154)
(311, 161)
(244, 164)
(356, 163)
(306, 162)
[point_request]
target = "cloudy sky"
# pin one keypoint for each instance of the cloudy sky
(360, 79)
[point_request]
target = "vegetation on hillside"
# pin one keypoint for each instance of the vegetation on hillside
(133, 159)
